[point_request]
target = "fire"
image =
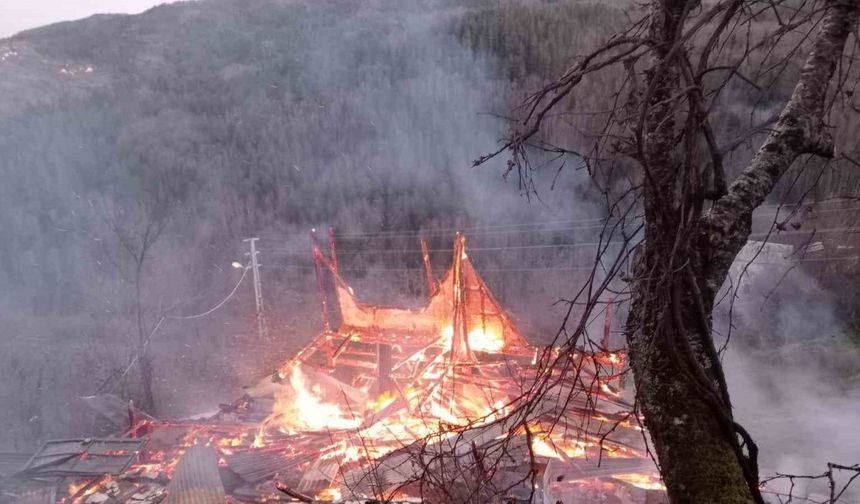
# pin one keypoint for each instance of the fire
(259, 439)
(545, 445)
(225, 443)
(84, 488)
(644, 481)
(447, 336)
(329, 495)
(541, 448)
(485, 341)
(382, 401)
(345, 452)
(304, 409)
(330, 423)
(480, 339)
(608, 390)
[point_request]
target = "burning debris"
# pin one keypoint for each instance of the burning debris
(448, 403)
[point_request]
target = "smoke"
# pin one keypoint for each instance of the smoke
(226, 119)
(424, 107)
(791, 368)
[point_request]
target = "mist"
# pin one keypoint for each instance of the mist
(791, 367)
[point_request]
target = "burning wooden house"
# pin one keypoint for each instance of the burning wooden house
(447, 403)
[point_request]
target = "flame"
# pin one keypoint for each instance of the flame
(305, 409)
(225, 443)
(485, 341)
(609, 391)
(480, 339)
(545, 445)
(259, 439)
(447, 336)
(541, 448)
(644, 481)
(329, 495)
(344, 452)
(76, 487)
(382, 401)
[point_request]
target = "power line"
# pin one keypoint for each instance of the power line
(567, 268)
(513, 227)
(525, 227)
(175, 317)
(219, 305)
(449, 250)
(489, 227)
(137, 354)
(475, 230)
(354, 251)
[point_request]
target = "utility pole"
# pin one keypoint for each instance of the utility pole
(262, 329)
(318, 260)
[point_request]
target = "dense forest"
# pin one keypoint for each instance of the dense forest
(136, 152)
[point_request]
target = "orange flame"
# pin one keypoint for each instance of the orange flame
(303, 408)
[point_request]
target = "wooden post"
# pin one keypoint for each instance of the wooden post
(383, 359)
(428, 271)
(332, 250)
(317, 256)
(131, 419)
(460, 351)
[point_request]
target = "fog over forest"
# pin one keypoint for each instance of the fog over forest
(216, 121)
(138, 151)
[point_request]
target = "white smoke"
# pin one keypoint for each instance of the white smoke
(789, 365)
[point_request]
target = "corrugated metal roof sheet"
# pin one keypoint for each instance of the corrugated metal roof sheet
(83, 457)
(196, 480)
(11, 463)
(256, 465)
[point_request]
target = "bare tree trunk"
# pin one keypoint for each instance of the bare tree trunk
(704, 455)
(685, 259)
(148, 402)
(688, 421)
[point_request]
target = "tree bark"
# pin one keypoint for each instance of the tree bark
(799, 130)
(685, 258)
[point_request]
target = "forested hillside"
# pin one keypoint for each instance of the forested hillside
(238, 118)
